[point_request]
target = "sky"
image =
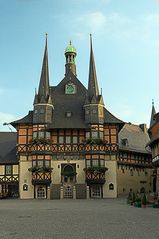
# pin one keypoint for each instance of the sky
(125, 42)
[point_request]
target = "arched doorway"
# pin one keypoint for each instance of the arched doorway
(68, 174)
(68, 179)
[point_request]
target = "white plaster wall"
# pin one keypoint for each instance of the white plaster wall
(134, 181)
(111, 177)
(56, 173)
(25, 177)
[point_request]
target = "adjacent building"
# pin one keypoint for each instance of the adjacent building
(9, 165)
(134, 160)
(154, 145)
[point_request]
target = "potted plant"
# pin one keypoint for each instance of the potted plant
(40, 169)
(137, 202)
(156, 204)
(129, 198)
(144, 201)
(133, 199)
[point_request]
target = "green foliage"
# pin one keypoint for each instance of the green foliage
(137, 204)
(138, 199)
(41, 141)
(97, 141)
(41, 169)
(144, 199)
(96, 169)
(129, 196)
(133, 197)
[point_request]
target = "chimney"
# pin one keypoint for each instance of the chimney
(143, 127)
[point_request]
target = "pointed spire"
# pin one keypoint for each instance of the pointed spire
(43, 91)
(93, 91)
(153, 112)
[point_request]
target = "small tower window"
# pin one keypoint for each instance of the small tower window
(41, 111)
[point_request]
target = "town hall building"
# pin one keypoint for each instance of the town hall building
(71, 146)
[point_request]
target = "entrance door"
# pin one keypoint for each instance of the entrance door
(96, 191)
(13, 190)
(68, 192)
(41, 192)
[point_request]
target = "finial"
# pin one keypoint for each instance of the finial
(46, 35)
(152, 102)
(91, 41)
(101, 91)
(35, 91)
(70, 43)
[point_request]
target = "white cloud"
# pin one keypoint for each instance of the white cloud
(94, 21)
(112, 25)
(118, 26)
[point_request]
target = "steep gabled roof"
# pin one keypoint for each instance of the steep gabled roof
(64, 103)
(43, 91)
(153, 112)
(93, 91)
(8, 148)
(136, 139)
(28, 119)
(111, 119)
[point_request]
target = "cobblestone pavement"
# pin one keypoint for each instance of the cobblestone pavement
(74, 219)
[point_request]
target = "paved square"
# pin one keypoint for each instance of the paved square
(73, 219)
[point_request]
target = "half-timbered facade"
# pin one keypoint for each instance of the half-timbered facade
(67, 146)
(134, 160)
(9, 165)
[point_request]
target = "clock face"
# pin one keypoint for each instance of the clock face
(70, 88)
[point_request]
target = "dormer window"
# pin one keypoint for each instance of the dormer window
(124, 142)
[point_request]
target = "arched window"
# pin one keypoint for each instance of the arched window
(111, 186)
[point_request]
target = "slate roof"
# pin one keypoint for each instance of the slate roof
(64, 103)
(68, 103)
(136, 139)
(28, 119)
(111, 119)
(8, 142)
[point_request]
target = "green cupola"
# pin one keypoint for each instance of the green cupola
(70, 54)
(70, 48)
